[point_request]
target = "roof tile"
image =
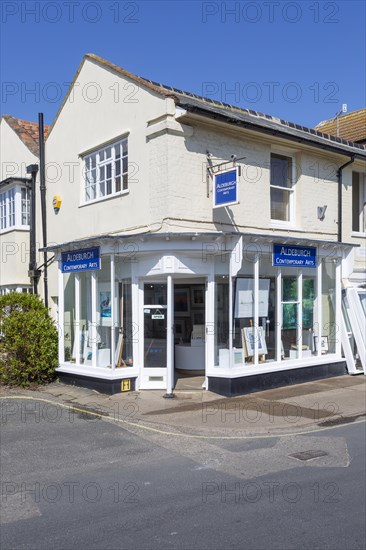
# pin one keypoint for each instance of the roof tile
(350, 126)
(27, 132)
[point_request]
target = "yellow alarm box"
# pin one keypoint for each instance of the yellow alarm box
(56, 203)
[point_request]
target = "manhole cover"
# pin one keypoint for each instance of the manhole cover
(308, 455)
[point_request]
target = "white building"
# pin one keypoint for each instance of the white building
(18, 149)
(195, 236)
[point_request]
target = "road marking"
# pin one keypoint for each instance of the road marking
(177, 434)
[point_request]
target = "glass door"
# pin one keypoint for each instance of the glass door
(155, 335)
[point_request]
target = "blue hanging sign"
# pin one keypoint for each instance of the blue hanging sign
(285, 255)
(87, 259)
(226, 188)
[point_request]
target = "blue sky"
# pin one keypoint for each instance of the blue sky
(297, 60)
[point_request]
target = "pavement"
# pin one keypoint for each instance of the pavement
(311, 406)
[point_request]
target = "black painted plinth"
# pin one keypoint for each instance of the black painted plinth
(259, 382)
(99, 384)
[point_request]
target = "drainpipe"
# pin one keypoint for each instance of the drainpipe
(42, 178)
(33, 272)
(340, 189)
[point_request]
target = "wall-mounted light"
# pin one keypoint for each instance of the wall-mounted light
(321, 212)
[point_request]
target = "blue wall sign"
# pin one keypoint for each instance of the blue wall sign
(87, 259)
(226, 188)
(285, 255)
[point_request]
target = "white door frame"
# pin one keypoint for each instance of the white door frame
(165, 375)
(147, 375)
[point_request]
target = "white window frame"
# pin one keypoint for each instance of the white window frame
(3, 211)
(24, 206)
(100, 185)
(11, 209)
(361, 201)
(12, 288)
(291, 190)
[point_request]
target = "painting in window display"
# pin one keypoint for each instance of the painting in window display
(105, 304)
(181, 301)
(289, 316)
(248, 338)
(307, 303)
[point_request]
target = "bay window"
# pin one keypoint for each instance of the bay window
(14, 208)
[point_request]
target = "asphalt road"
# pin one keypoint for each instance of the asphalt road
(72, 481)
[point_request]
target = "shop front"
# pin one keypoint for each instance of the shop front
(242, 312)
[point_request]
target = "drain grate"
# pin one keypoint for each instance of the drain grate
(308, 455)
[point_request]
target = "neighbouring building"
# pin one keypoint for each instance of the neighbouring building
(193, 236)
(352, 126)
(18, 149)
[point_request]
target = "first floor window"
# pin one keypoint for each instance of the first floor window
(7, 209)
(3, 219)
(25, 206)
(11, 209)
(14, 208)
(281, 188)
(106, 171)
(358, 202)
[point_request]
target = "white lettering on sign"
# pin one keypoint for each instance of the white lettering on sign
(80, 256)
(295, 251)
(77, 267)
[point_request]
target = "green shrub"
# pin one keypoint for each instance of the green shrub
(28, 340)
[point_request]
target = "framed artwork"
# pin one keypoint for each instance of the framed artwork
(238, 359)
(181, 302)
(198, 296)
(308, 296)
(88, 356)
(105, 304)
(248, 339)
(307, 314)
(324, 345)
(244, 298)
(289, 316)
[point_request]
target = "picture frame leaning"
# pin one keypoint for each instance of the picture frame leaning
(248, 341)
(324, 344)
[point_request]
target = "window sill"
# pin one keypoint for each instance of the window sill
(103, 199)
(14, 228)
(284, 225)
(358, 234)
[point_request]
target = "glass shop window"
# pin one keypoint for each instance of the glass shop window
(330, 331)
